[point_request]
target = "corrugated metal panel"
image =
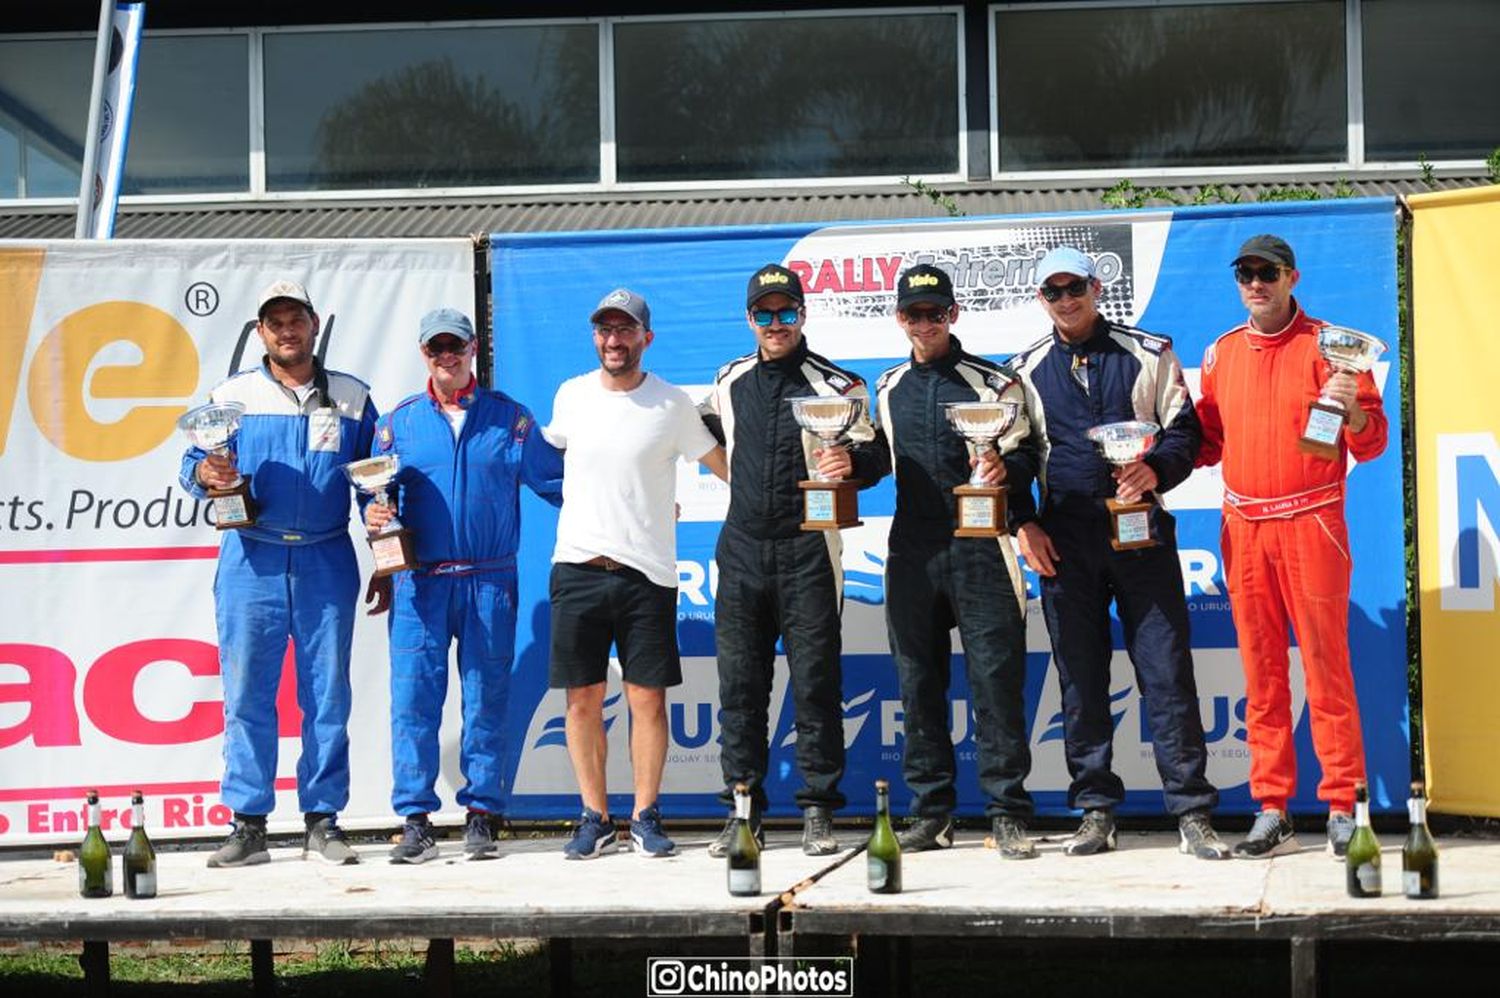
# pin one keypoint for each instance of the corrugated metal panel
(408, 219)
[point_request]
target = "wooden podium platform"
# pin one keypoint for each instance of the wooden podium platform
(1145, 890)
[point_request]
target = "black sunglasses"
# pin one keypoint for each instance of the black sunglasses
(436, 347)
(935, 316)
(1268, 273)
(1074, 289)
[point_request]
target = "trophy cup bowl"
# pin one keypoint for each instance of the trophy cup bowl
(983, 423)
(1348, 350)
(1121, 444)
(827, 417)
(391, 546)
(828, 504)
(210, 428)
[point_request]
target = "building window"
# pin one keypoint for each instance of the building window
(1431, 79)
(44, 110)
(443, 107)
(772, 97)
(1170, 86)
(190, 132)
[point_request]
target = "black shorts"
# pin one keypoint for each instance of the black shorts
(594, 607)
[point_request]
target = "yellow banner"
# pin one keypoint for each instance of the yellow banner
(1455, 246)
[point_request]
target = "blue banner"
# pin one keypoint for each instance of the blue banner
(1165, 271)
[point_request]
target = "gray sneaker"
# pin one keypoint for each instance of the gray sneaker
(1198, 837)
(719, 847)
(1271, 835)
(325, 840)
(479, 837)
(1096, 834)
(922, 834)
(417, 844)
(245, 846)
(1011, 839)
(1340, 830)
(817, 831)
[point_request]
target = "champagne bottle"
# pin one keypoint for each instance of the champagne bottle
(139, 863)
(1362, 862)
(1419, 858)
(96, 877)
(883, 852)
(744, 851)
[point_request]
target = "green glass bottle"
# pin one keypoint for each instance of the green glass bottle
(96, 875)
(744, 851)
(1362, 862)
(139, 863)
(883, 852)
(1419, 858)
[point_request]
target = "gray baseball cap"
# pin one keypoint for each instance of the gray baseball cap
(627, 301)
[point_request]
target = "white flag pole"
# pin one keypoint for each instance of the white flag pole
(90, 167)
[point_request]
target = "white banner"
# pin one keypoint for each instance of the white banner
(108, 661)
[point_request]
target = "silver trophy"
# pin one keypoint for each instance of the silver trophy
(1121, 444)
(391, 546)
(829, 504)
(981, 507)
(211, 428)
(1345, 350)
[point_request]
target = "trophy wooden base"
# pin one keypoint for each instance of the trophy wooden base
(1321, 433)
(394, 552)
(980, 511)
(830, 505)
(1130, 525)
(233, 508)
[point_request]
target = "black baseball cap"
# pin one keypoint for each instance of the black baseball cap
(1268, 247)
(923, 284)
(773, 279)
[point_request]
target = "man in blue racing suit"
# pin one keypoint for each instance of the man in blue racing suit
(292, 574)
(465, 451)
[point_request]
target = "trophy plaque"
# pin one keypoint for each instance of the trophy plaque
(392, 547)
(981, 507)
(828, 504)
(210, 428)
(1345, 350)
(1121, 444)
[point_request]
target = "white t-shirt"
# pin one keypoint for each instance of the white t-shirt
(620, 471)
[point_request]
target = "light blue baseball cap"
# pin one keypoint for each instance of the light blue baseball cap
(445, 320)
(1064, 260)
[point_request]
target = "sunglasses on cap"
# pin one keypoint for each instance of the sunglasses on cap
(1074, 289)
(763, 317)
(439, 345)
(1266, 273)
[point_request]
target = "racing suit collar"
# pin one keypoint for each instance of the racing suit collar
(944, 363)
(1260, 339)
(464, 396)
(319, 381)
(790, 362)
(1096, 341)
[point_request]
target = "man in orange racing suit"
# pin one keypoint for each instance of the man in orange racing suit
(1286, 549)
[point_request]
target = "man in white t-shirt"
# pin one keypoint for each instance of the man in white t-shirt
(614, 570)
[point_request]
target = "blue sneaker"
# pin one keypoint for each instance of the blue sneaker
(647, 835)
(591, 837)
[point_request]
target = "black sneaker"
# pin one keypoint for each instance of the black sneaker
(1011, 839)
(922, 834)
(817, 831)
(479, 836)
(719, 847)
(1271, 835)
(1096, 834)
(245, 846)
(325, 840)
(416, 845)
(1198, 837)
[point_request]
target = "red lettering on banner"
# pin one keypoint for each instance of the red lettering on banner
(803, 270)
(827, 279)
(889, 267)
(109, 693)
(53, 718)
